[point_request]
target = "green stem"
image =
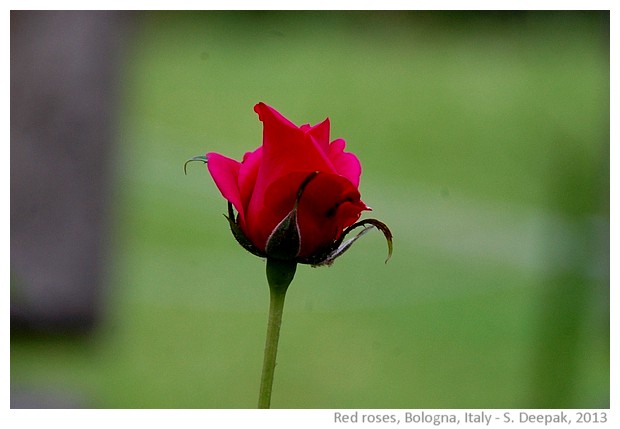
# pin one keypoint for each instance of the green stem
(276, 306)
(279, 275)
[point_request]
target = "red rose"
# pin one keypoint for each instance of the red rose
(297, 199)
(282, 175)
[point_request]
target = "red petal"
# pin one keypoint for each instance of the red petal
(329, 204)
(287, 149)
(320, 135)
(345, 163)
(248, 174)
(278, 201)
(225, 173)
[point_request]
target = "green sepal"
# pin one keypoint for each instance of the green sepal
(329, 255)
(239, 234)
(201, 158)
(284, 242)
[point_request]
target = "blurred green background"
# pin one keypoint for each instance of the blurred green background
(484, 140)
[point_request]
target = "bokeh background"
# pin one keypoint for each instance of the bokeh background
(484, 140)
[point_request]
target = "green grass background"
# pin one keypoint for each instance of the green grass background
(484, 140)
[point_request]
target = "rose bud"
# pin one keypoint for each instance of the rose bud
(296, 196)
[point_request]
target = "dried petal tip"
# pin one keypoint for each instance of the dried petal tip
(202, 158)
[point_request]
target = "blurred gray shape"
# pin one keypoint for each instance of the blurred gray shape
(64, 80)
